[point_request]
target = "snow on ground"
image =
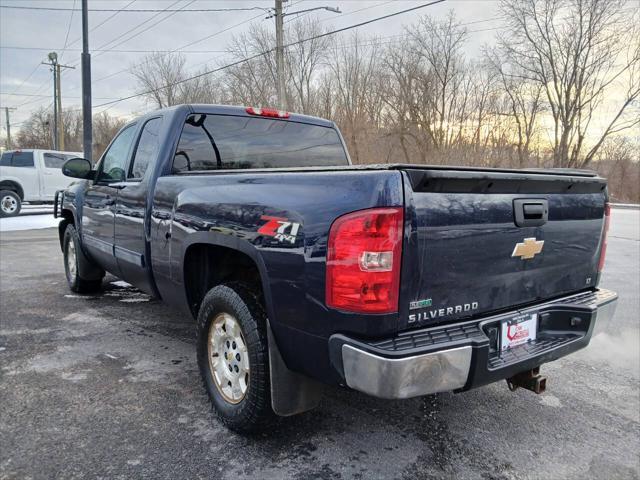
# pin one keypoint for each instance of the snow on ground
(36, 209)
(28, 222)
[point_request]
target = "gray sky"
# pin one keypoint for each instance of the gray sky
(38, 32)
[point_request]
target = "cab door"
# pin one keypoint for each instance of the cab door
(52, 177)
(131, 224)
(98, 212)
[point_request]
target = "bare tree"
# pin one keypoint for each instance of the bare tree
(37, 130)
(443, 101)
(105, 128)
(577, 51)
(303, 62)
(523, 100)
(254, 82)
(353, 70)
(158, 76)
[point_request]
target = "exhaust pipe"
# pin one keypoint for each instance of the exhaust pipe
(531, 380)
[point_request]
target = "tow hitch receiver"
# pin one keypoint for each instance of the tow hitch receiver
(531, 380)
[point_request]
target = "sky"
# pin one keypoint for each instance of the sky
(27, 36)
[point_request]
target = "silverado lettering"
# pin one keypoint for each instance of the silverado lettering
(442, 312)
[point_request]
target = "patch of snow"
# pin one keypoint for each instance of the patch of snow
(35, 209)
(74, 377)
(121, 283)
(550, 400)
(28, 222)
(134, 300)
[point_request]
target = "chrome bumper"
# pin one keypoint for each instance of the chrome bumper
(406, 377)
(464, 366)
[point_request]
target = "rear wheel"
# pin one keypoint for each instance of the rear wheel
(10, 203)
(233, 357)
(73, 263)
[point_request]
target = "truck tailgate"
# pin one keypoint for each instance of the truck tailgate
(484, 241)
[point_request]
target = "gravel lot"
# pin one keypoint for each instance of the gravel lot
(107, 386)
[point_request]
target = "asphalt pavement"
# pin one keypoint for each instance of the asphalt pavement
(106, 386)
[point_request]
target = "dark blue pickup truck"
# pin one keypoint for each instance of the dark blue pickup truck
(302, 269)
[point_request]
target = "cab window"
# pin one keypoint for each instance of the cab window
(114, 162)
(147, 149)
(17, 159)
(55, 160)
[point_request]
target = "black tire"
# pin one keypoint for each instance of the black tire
(253, 411)
(77, 264)
(10, 203)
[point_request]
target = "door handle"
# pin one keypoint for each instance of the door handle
(530, 212)
(533, 210)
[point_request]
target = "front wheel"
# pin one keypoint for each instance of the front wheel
(233, 357)
(10, 203)
(75, 264)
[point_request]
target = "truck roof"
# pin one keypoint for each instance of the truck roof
(242, 112)
(39, 150)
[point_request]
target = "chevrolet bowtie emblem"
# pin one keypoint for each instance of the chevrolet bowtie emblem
(528, 249)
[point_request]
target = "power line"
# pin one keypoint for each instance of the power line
(135, 10)
(142, 31)
(66, 38)
(40, 88)
(26, 79)
(373, 42)
(262, 54)
(44, 84)
(14, 47)
(179, 49)
(109, 50)
(164, 54)
(103, 51)
(48, 96)
(115, 40)
(103, 22)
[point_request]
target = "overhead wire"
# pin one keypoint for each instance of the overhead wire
(43, 84)
(66, 38)
(261, 54)
(134, 10)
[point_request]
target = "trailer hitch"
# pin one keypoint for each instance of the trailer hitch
(531, 380)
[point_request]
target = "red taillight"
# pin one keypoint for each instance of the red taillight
(267, 112)
(363, 261)
(605, 231)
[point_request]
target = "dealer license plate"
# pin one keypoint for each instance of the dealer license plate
(518, 330)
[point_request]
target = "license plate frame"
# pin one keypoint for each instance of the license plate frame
(518, 330)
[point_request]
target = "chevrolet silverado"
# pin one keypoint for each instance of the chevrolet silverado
(302, 269)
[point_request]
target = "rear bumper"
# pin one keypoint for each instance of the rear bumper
(465, 355)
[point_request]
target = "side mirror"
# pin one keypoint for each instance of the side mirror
(78, 168)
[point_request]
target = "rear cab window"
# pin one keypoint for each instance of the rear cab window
(216, 142)
(17, 159)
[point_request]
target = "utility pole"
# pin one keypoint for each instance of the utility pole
(279, 16)
(6, 113)
(58, 128)
(282, 100)
(87, 125)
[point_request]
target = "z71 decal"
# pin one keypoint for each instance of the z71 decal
(279, 228)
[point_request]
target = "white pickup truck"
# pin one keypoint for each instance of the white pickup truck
(31, 176)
